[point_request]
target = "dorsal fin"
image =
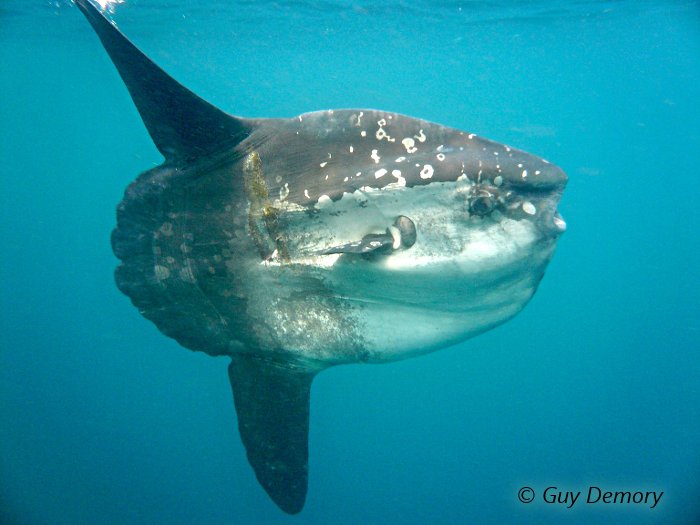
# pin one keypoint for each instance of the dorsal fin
(183, 126)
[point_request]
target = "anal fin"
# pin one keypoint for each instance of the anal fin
(272, 402)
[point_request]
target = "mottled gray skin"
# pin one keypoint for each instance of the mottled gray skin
(291, 245)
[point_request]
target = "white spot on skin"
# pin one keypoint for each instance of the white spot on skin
(439, 148)
(381, 132)
(358, 174)
(471, 136)
(345, 179)
(375, 157)
(498, 180)
(400, 180)
(284, 191)
(161, 272)
(363, 133)
(427, 172)
(400, 159)
(440, 156)
(324, 200)
(420, 136)
(306, 194)
(166, 229)
(524, 174)
(409, 144)
(323, 164)
(186, 274)
(529, 208)
(380, 173)
(537, 172)
(560, 224)
(359, 118)
(300, 119)
(352, 149)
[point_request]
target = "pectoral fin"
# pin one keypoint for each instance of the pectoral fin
(369, 243)
(401, 234)
(272, 402)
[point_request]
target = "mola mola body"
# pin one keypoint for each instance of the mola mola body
(338, 236)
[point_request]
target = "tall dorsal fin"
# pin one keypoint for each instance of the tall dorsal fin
(272, 402)
(183, 126)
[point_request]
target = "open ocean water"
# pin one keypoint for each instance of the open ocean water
(596, 383)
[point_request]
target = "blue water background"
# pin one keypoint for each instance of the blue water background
(597, 382)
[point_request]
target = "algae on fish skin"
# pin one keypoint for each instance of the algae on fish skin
(263, 218)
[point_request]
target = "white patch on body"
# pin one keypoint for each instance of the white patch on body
(529, 208)
(409, 144)
(427, 172)
(284, 191)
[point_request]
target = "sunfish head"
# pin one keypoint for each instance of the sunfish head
(483, 226)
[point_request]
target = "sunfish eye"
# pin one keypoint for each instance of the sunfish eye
(482, 202)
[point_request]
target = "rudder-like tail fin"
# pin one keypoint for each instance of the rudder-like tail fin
(183, 126)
